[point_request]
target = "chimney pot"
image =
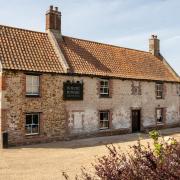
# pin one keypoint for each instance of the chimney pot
(51, 8)
(154, 36)
(53, 20)
(154, 45)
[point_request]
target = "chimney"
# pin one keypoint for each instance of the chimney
(154, 46)
(53, 20)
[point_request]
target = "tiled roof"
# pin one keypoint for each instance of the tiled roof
(32, 51)
(27, 50)
(87, 57)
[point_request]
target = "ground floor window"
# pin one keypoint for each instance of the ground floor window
(104, 119)
(32, 123)
(159, 115)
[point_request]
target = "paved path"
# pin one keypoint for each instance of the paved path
(47, 161)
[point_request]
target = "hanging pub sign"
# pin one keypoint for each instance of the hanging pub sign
(73, 90)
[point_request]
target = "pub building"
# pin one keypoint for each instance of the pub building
(55, 87)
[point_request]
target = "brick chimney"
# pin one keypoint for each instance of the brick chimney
(154, 46)
(53, 20)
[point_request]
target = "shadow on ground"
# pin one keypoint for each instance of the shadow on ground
(98, 141)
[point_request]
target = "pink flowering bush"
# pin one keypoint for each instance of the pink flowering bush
(161, 162)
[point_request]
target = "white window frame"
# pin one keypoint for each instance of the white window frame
(30, 125)
(32, 85)
(159, 90)
(104, 89)
(104, 120)
(162, 115)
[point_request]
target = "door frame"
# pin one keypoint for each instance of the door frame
(140, 111)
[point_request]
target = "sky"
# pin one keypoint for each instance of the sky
(126, 23)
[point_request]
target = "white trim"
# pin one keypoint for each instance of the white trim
(103, 87)
(32, 114)
(104, 120)
(159, 90)
(30, 85)
(32, 134)
(160, 123)
(32, 94)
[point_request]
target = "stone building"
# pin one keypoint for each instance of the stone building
(55, 87)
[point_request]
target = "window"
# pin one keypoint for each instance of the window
(104, 119)
(159, 90)
(32, 124)
(104, 87)
(135, 88)
(159, 115)
(32, 85)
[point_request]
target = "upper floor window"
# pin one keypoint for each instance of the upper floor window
(178, 89)
(104, 87)
(159, 90)
(136, 88)
(32, 85)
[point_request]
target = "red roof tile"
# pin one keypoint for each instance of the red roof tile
(32, 51)
(87, 57)
(27, 50)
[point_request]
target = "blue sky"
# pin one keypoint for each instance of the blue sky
(127, 23)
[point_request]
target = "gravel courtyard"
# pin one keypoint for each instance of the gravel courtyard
(47, 161)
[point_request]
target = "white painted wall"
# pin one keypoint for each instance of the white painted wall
(120, 105)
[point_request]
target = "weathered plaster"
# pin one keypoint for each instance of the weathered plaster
(121, 104)
(60, 119)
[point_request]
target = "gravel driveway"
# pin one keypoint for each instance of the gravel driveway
(47, 161)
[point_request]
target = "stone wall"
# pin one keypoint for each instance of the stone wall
(60, 119)
(50, 105)
(0, 107)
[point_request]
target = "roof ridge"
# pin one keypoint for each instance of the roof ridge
(21, 29)
(112, 45)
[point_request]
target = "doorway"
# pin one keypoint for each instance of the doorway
(136, 121)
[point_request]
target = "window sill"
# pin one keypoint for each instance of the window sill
(32, 96)
(160, 123)
(105, 129)
(103, 96)
(33, 134)
(159, 98)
